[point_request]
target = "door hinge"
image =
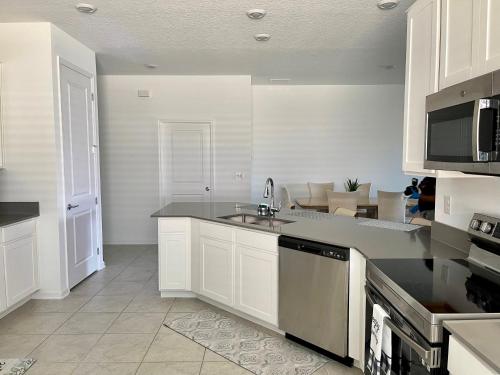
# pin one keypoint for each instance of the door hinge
(98, 251)
(96, 201)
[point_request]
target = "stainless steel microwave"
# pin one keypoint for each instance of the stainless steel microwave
(463, 128)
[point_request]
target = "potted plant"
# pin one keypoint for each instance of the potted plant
(351, 185)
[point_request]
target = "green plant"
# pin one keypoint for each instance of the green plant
(351, 185)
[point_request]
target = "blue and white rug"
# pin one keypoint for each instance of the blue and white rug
(244, 344)
(15, 366)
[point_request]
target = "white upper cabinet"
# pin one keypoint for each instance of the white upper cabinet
(422, 76)
(457, 35)
(487, 36)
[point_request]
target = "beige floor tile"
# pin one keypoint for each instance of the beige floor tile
(151, 288)
(65, 348)
(52, 368)
(188, 305)
(107, 304)
(89, 287)
(132, 273)
(170, 368)
(19, 346)
(87, 323)
(69, 304)
(137, 323)
(210, 356)
(106, 369)
(122, 288)
(146, 303)
(120, 348)
(334, 368)
(223, 368)
(171, 346)
(32, 323)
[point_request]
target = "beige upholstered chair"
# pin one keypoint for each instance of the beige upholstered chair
(318, 190)
(347, 200)
(341, 211)
(364, 191)
(391, 206)
(421, 221)
(291, 192)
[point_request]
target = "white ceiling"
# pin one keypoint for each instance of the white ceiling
(313, 41)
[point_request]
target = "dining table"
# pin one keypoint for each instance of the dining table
(368, 204)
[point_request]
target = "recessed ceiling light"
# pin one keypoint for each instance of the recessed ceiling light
(262, 37)
(256, 14)
(387, 4)
(86, 8)
(151, 66)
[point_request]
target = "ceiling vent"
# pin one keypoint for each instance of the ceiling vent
(86, 8)
(387, 4)
(256, 14)
(262, 37)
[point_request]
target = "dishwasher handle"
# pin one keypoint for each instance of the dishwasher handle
(314, 248)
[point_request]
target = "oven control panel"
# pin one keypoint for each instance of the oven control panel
(486, 227)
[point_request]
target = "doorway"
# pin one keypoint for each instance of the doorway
(186, 168)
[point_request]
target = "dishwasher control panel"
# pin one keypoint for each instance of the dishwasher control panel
(315, 248)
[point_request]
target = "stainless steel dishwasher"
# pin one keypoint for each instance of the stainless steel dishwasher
(313, 294)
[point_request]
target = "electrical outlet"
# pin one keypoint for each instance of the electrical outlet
(447, 205)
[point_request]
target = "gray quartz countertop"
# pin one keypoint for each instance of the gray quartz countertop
(442, 241)
(15, 212)
(480, 337)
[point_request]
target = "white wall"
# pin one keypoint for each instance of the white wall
(468, 196)
(129, 143)
(328, 133)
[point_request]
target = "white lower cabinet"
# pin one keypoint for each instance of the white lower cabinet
(217, 270)
(257, 283)
(461, 361)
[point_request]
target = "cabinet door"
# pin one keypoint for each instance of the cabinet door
(422, 72)
(3, 296)
(488, 40)
(257, 283)
(173, 260)
(461, 361)
(457, 25)
(21, 269)
(217, 265)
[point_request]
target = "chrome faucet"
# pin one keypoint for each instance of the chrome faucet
(269, 189)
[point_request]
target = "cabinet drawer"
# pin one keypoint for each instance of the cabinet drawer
(18, 230)
(221, 232)
(257, 240)
(173, 225)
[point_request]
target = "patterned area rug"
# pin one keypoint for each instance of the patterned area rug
(246, 345)
(15, 366)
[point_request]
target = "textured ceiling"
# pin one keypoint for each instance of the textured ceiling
(313, 41)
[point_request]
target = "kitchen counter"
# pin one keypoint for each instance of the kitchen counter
(441, 241)
(14, 212)
(480, 337)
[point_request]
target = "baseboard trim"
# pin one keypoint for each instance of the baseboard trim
(177, 294)
(51, 294)
(15, 306)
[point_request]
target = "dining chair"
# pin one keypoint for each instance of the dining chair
(291, 192)
(421, 221)
(341, 211)
(391, 206)
(348, 200)
(318, 190)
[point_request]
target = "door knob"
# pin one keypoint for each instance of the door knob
(70, 206)
(207, 188)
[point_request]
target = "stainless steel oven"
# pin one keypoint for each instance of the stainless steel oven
(463, 132)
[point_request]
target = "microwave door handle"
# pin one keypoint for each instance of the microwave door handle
(479, 105)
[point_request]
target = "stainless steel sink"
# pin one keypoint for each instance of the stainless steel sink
(265, 221)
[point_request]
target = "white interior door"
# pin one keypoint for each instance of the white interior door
(79, 173)
(185, 162)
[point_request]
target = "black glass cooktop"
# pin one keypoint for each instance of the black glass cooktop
(445, 286)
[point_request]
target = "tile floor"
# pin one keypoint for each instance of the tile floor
(111, 324)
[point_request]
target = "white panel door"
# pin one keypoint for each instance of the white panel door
(422, 72)
(217, 266)
(457, 52)
(79, 173)
(257, 283)
(21, 269)
(488, 37)
(185, 162)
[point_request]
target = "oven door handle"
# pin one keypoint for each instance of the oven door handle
(432, 357)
